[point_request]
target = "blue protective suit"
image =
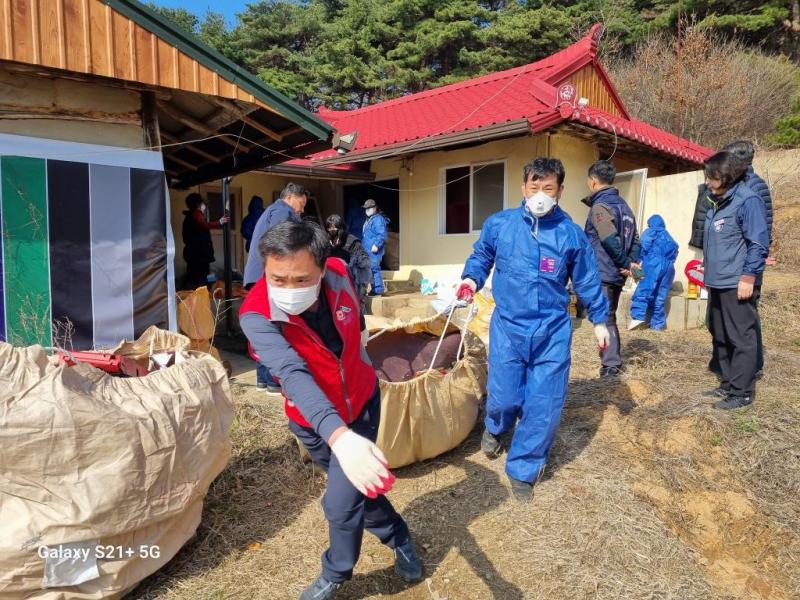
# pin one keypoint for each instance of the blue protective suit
(531, 331)
(375, 233)
(658, 255)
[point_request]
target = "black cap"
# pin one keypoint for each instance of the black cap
(370, 204)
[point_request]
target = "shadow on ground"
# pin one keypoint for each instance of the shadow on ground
(249, 501)
(440, 522)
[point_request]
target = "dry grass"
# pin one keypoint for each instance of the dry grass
(650, 493)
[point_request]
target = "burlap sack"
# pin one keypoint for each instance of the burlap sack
(90, 458)
(432, 413)
(195, 317)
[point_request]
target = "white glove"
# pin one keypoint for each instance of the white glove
(602, 335)
(364, 338)
(363, 463)
(374, 249)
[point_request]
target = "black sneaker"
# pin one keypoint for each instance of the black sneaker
(321, 589)
(374, 294)
(521, 490)
(491, 444)
(407, 563)
(273, 389)
(732, 402)
(262, 385)
(610, 371)
(717, 392)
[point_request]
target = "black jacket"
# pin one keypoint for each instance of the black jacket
(350, 250)
(198, 247)
(701, 206)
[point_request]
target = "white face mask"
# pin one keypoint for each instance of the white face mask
(293, 301)
(371, 211)
(540, 204)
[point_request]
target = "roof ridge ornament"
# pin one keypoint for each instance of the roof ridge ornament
(596, 34)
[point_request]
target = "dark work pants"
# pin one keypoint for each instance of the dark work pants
(197, 274)
(714, 364)
(264, 376)
(611, 356)
(348, 511)
(734, 333)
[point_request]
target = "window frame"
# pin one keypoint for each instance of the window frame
(442, 226)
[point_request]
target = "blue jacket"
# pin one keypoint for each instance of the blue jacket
(533, 259)
(375, 232)
(614, 252)
(658, 247)
(760, 187)
(277, 212)
(736, 239)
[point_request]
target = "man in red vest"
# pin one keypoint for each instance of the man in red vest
(304, 322)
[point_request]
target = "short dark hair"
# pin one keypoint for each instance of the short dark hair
(290, 237)
(742, 150)
(726, 167)
(603, 171)
(542, 167)
(336, 221)
(193, 200)
(294, 189)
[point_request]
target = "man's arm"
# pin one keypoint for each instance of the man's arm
(586, 281)
(606, 227)
(480, 262)
(296, 380)
(381, 231)
(636, 248)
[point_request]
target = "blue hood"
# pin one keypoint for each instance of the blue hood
(256, 205)
(656, 222)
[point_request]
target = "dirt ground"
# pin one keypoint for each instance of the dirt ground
(649, 493)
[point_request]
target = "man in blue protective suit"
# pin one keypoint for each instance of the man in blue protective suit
(611, 229)
(374, 242)
(658, 254)
(534, 249)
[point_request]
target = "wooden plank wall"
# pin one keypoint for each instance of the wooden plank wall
(591, 86)
(87, 36)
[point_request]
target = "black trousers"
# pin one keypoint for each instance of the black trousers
(349, 511)
(734, 325)
(713, 365)
(197, 274)
(611, 356)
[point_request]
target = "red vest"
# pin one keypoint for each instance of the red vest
(348, 382)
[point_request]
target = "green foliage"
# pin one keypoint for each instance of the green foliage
(183, 18)
(747, 425)
(349, 53)
(787, 130)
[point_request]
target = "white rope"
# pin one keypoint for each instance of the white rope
(472, 312)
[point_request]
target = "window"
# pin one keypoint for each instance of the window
(472, 194)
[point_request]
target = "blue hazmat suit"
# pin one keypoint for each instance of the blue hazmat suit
(375, 233)
(658, 255)
(531, 331)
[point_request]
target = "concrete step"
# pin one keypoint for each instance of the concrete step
(399, 286)
(385, 306)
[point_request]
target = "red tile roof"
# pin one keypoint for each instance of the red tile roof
(526, 92)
